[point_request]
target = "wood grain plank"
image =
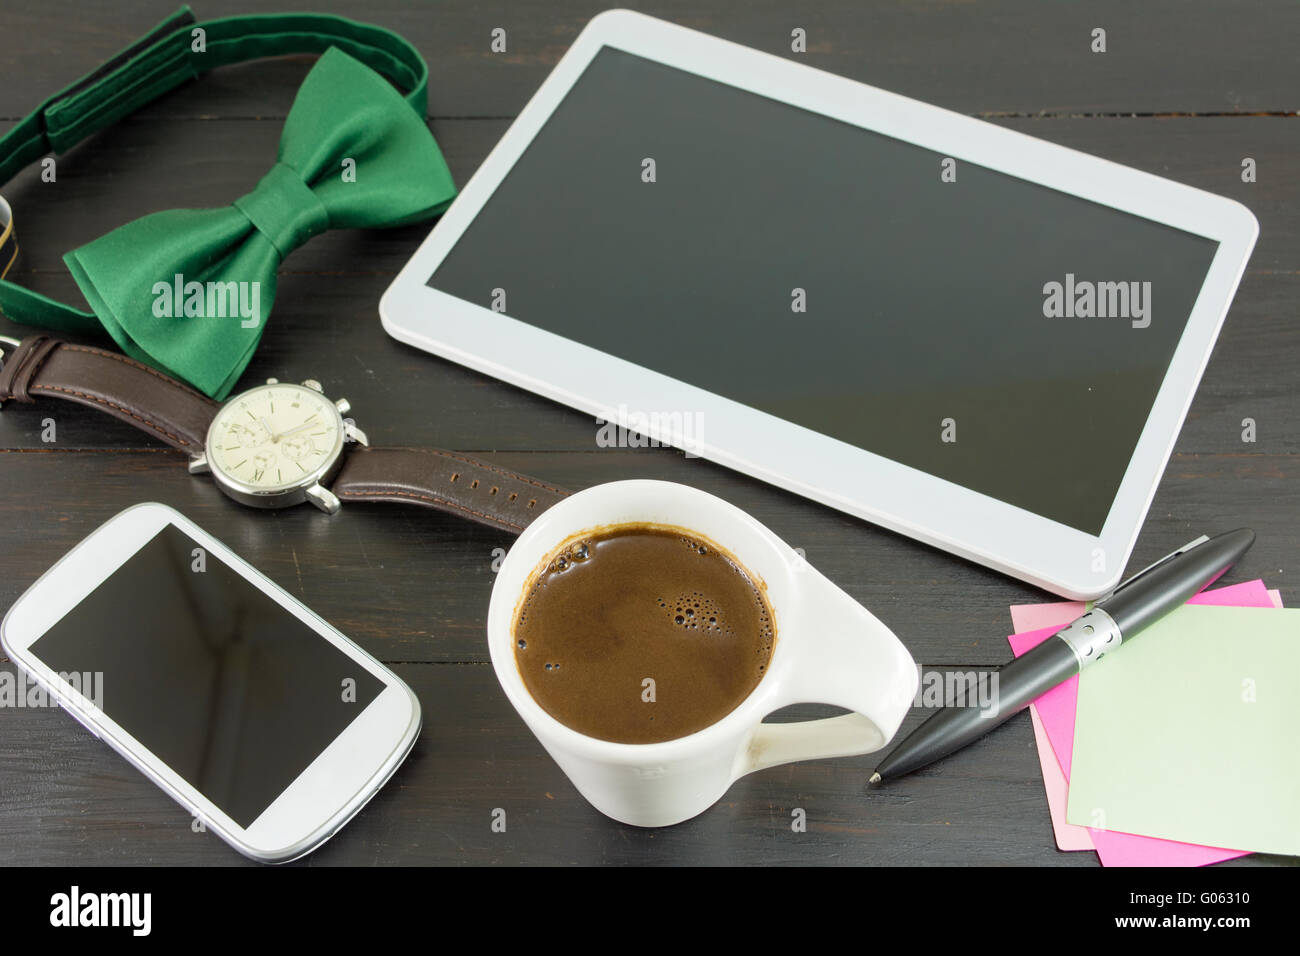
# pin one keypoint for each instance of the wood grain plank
(356, 567)
(1016, 56)
(70, 800)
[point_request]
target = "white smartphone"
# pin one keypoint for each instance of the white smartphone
(248, 709)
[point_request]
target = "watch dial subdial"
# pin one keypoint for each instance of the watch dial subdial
(298, 447)
(251, 435)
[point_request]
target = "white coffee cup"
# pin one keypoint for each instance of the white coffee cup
(829, 650)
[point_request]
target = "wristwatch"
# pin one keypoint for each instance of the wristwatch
(275, 445)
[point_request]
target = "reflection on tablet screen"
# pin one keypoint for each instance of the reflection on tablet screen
(843, 280)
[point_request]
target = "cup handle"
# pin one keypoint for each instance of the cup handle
(847, 658)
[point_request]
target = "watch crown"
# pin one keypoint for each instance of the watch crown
(272, 381)
(314, 385)
(343, 405)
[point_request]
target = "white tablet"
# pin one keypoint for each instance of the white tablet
(967, 335)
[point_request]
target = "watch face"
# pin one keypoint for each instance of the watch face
(275, 438)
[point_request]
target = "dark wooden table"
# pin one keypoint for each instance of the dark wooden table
(1186, 90)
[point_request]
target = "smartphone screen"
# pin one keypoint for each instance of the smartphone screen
(223, 684)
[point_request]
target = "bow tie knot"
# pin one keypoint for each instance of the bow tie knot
(346, 118)
(284, 209)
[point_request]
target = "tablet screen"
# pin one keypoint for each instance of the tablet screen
(990, 331)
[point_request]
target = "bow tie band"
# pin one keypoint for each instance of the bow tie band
(189, 290)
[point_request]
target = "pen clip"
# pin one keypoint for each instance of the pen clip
(1151, 567)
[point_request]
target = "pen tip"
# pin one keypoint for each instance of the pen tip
(875, 779)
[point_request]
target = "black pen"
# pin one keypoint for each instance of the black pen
(1136, 604)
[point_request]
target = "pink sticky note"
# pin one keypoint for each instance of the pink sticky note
(1069, 836)
(1029, 617)
(1032, 617)
(1056, 710)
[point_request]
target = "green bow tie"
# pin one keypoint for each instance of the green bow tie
(189, 290)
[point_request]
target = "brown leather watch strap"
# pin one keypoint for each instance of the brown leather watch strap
(446, 481)
(43, 367)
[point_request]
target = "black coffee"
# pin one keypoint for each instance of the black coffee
(641, 633)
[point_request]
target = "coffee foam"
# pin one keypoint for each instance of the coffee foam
(696, 614)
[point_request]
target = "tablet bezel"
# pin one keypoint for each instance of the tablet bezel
(904, 499)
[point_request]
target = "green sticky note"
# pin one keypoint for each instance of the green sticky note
(1188, 732)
